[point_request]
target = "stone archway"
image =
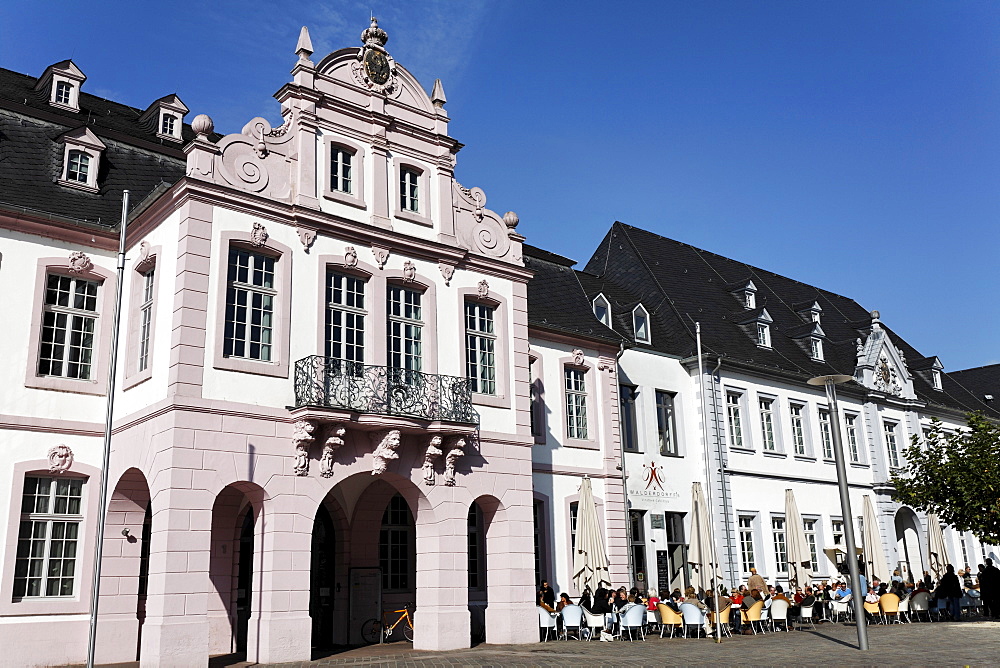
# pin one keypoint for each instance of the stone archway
(908, 545)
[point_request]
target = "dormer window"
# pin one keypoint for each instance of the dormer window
(602, 310)
(63, 93)
(165, 117)
(809, 311)
(81, 158)
(750, 299)
(167, 124)
(936, 379)
(816, 348)
(763, 335)
(640, 324)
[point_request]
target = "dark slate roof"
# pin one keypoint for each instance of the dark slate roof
(680, 285)
(981, 381)
(31, 155)
(557, 301)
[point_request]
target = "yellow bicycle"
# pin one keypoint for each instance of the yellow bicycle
(377, 630)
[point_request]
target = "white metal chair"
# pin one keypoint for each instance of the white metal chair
(904, 610)
(632, 619)
(547, 621)
(595, 623)
(806, 615)
(779, 613)
(765, 618)
(653, 620)
(572, 616)
(693, 616)
(840, 607)
(921, 602)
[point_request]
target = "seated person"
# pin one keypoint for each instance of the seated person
(652, 600)
(563, 601)
(840, 592)
(779, 594)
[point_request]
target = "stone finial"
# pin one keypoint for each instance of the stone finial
(437, 95)
(373, 36)
(304, 47)
(511, 220)
(203, 125)
(875, 316)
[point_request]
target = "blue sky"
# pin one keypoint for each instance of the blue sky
(850, 145)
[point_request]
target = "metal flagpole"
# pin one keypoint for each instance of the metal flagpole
(830, 383)
(708, 490)
(112, 370)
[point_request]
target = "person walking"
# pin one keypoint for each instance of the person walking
(756, 582)
(950, 589)
(989, 589)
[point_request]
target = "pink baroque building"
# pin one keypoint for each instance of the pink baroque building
(323, 401)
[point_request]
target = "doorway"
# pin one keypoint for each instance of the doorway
(244, 581)
(322, 580)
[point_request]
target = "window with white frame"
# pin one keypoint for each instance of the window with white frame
(746, 542)
(576, 402)
(666, 426)
(816, 349)
(852, 436)
(409, 194)
(763, 335)
(480, 348)
(48, 537)
(891, 447)
(78, 167)
(734, 410)
(574, 509)
(750, 299)
(346, 314)
(780, 546)
(640, 323)
(63, 93)
(340, 169)
(69, 322)
(798, 428)
(168, 124)
(838, 532)
(250, 301)
(935, 379)
(965, 550)
(404, 330)
(146, 318)
(825, 435)
(630, 428)
(768, 441)
(809, 526)
(602, 310)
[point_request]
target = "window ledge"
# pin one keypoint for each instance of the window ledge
(137, 378)
(345, 198)
(413, 217)
(160, 135)
(60, 384)
(275, 369)
(76, 184)
(776, 454)
(587, 444)
(498, 401)
(859, 465)
(745, 451)
(674, 455)
(804, 458)
(827, 460)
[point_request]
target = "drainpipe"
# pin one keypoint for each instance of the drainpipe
(725, 495)
(621, 466)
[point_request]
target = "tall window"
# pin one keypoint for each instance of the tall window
(746, 542)
(145, 318)
(477, 561)
(536, 519)
(798, 429)
(168, 124)
(63, 91)
(45, 563)
(767, 423)
(574, 509)
(890, 444)
(810, 528)
(666, 427)
(409, 198)
(69, 320)
(852, 436)
(535, 391)
(780, 546)
(78, 168)
(576, 403)
(340, 169)
(816, 349)
(637, 534)
(838, 532)
(763, 335)
(630, 439)
(480, 348)
(345, 320)
(640, 321)
(825, 434)
(735, 419)
(250, 296)
(965, 550)
(404, 328)
(395, 546)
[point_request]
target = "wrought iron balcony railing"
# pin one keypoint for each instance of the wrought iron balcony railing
(335, 383)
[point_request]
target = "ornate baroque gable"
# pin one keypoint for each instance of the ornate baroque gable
(881, 366)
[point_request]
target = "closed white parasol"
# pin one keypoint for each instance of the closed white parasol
(875, 564)
(590, 561)
(700, 546)
(799, 553)
(936, 548)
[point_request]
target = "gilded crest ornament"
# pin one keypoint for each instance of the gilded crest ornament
(375, 69)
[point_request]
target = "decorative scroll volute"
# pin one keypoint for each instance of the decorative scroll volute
(258, 159)
(480, 230)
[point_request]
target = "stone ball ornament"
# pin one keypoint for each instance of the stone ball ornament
(203, 125)
(511, 220)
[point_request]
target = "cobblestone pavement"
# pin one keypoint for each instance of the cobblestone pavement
(926, 644)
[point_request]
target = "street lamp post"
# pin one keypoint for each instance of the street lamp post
(830, 383)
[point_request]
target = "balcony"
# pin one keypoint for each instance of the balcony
(326, 382)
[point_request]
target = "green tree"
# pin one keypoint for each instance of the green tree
(957, 476)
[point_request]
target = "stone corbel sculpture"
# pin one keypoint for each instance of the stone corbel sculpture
(456, 451)
(302, 439)
(385, 451)
(432, 453)
(334, 439)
